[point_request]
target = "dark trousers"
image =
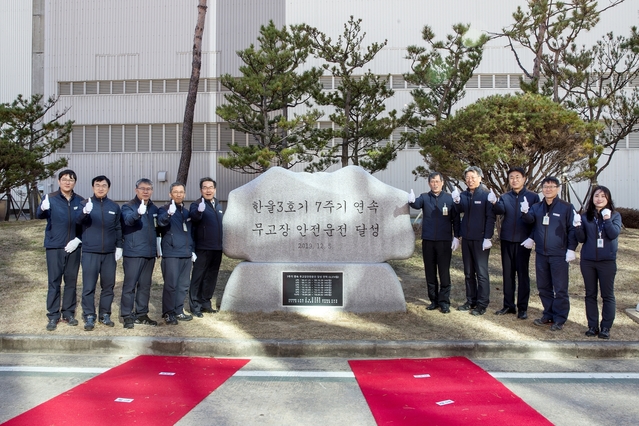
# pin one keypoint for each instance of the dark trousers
(515, 262)
(476, 273)
(603, 272)
(62, 265)
(94, 265)
(552, 283)
(176, 272)
(136, 288)
(204, 278)
(437, 256)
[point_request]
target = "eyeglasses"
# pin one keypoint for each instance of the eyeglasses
(549, 187)
(67, 180)
(145, 189)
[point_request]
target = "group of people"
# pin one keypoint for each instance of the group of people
(97, 233)
(548, 224)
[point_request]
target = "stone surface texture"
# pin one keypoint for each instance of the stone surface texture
(368, 287)
(344, 216)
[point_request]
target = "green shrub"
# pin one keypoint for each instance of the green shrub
(629, 217)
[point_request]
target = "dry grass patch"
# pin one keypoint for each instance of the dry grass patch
(23, 287)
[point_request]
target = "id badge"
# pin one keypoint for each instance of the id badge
(184, 228)
(599, 242)
(445, 210)
(155, 221)
(546, 220)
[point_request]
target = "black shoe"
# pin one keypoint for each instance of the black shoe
(89, 323)
(197, 314)
(184, 317)
(432, 307)
(52, 324)
(145, 320)
(106, 320)
(504, 311)
(556, 327)
(129, 322)
(542, 322)
(478, 311)
(465, 307)
(604, 333)
(70, 320)
(592, 331)
(522, 315)
(170, 319)
(208, 310)
(445, 309)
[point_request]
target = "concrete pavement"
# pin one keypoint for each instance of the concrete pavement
(315, 348)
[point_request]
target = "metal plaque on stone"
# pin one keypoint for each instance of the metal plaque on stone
(313, 288)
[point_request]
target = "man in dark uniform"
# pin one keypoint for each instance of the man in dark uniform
(440, 236)
(101, 249)
(477, 228)
(177, 255)
(516, 244)
(555, 244)
(61, 240)
(139, 218)
(206, 214)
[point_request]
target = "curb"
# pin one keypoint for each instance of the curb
(314, 348)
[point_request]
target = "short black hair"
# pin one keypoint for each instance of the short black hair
(100, 179)
(433, 175)
(551, 179)
(69, 172)
(516, 169)
(207, 179)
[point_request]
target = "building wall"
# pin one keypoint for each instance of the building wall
(122, 69)
(15, 49)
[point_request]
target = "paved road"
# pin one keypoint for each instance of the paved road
(322, 391)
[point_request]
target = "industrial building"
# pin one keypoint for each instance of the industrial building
(122, 69)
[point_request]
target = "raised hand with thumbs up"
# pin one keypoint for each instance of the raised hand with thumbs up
(456, 195)
(142, 208)
(202, 206)
(172, 208)
(88, 206)
(45, 205)
(524, 206)
(492, 198)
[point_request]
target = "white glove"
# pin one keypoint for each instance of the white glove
(193, 257)
(142, 208)
(118, 253)
(492, 198)
(606, 212)
(158, 244)
(172, 208)
(72, 245)
(88, 207)
(486, 244)
(524, 206)
(576, 219)
(528, 243)
(456, 195)
(411, 196)
(455, 244)
(202, 206)
(45, 203)
(570, 255)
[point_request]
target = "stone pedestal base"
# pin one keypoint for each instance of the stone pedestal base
(368, 287)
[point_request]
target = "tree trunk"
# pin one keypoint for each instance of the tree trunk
(189, 111)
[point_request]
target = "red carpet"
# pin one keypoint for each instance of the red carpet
(396, 397)
(148, 390)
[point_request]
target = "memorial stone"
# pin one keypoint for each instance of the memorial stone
(316, 240)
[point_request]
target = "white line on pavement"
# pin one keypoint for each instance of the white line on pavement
(334, 374)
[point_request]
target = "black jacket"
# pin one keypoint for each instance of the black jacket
(436, 226)
(478, 221)
(207, 225)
